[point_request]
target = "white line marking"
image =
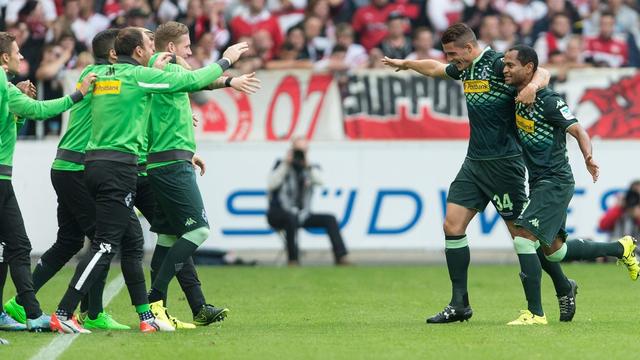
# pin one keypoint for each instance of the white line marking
(61, 342)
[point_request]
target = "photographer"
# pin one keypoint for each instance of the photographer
(624, 218)
(290, 185)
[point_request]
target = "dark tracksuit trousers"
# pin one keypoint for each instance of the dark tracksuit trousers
(112, 185)
(280, 219)
(15, 251)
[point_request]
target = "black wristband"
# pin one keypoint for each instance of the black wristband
(227, 82)
(76, 96)
(224, 63)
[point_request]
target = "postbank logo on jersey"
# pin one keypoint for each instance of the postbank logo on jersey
(476, 86)
(525, 125)
(107, 87)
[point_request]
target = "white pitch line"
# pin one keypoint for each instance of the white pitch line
(61, 342)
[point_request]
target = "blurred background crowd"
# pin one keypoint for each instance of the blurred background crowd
(325, 35)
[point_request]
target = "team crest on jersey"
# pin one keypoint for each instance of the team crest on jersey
(476, 86)
(485, 73)
(525, 125)
(107, 87)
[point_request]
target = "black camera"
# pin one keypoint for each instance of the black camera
(298, 159)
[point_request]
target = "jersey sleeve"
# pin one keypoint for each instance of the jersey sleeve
(23, 106)
(452, 72)
(156, 81)
(498, 65)
(558, 114)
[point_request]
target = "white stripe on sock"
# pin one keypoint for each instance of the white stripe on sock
(61, 342)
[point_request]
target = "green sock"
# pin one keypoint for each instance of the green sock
(458, 258)
(579, 249)
(530, 273)
(554, 270)
(142, 308)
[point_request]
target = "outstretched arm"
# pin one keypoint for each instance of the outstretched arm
(427, 67)
(578, 132)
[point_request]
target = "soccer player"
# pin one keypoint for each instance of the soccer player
(119, 119)
(180, 218)
(76, 209)
(542, 130)
(15, 247)
(493, 170)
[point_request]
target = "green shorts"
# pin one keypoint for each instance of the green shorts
(179, 207)
(545, 215)
(500, 182)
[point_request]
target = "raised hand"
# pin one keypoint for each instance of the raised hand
(247, 83)
(233, 52)
(397, 64)
(27, 88)
(87, 82)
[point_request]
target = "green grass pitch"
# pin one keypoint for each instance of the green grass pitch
(363, 313)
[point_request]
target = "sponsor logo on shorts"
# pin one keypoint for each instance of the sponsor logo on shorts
(189, 222)
(107, 87)
(535, 222)
(525, 125)
(476, 86)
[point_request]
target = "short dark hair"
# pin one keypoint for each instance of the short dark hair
(607, 13)
(526, 54)
(460, 34)
(6, 39)
(103, 42)
(127, 40)
(169, 32)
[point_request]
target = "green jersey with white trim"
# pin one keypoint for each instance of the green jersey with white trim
(119, 107)
(491, 105)
(23, 107)
(170, 111)
(76, 137)
(542, 132)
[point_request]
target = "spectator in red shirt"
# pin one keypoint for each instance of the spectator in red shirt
(254, 17)
(369, 22)
(605, 50)
(554, 40)
(623, 218)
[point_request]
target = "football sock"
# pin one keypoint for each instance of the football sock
(579, 249)
(173, 262)
(530, 273)
(554, 270)
(458, 258)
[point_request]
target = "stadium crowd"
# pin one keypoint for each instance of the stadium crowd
(324, 35)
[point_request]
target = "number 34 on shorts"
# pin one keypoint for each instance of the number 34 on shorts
(502, 202)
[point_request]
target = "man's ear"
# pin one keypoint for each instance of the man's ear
(171, 47)
(5, 58)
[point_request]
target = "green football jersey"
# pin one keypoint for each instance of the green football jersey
(119, 106)
(170, 111)
(542, 132)
(70, 155)
(20, 107)
(491, 105)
